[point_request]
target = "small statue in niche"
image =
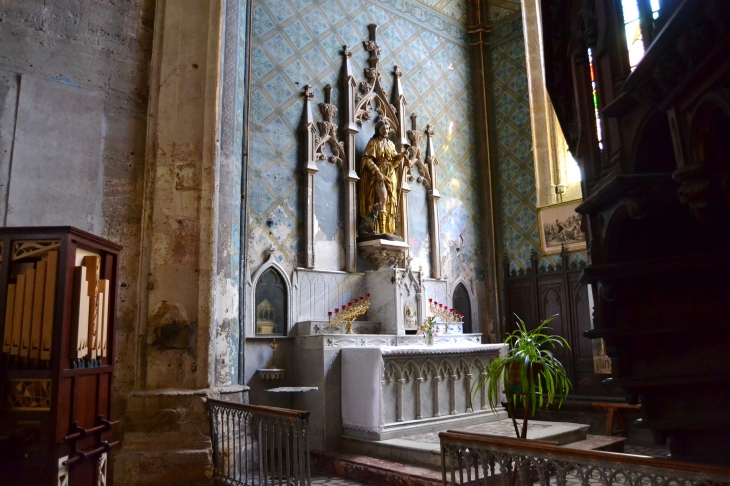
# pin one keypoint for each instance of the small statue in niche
(410, 315)
(265, 318)
(381, 173)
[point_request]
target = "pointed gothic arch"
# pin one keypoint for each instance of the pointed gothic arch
(268, 269)
(463, 303)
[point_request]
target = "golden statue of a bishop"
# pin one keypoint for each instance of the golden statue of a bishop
(380, 178)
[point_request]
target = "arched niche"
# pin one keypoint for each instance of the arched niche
(270, 309)
(654, 148)
(462, 303)
(419, 225)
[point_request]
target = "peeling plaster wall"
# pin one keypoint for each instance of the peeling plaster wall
(102, 48)
(233, 146)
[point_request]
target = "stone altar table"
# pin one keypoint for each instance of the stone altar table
(391, 391)
(398, 297)
(455, 361)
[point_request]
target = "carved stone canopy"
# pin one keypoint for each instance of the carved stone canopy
(362, 96)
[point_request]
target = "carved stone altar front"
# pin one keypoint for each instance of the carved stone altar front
(404, 390)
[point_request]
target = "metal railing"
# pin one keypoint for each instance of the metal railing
(256, 445)
(471, 459)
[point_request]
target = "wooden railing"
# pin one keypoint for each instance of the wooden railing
(471, 459)
(256, 445)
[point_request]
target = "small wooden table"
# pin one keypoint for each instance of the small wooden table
(618, 409)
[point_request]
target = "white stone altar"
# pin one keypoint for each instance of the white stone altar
(392, 391)
(411, 387)
(380, 386)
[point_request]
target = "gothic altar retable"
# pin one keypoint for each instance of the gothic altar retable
(381, 380)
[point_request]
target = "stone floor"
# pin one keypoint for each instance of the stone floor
(333, 481)
(498, 427)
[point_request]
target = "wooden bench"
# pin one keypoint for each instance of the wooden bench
(617, 409)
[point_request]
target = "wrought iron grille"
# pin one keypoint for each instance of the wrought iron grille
(255, 445)
(472, 460)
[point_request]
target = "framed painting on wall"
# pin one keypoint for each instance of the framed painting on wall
(560, 225)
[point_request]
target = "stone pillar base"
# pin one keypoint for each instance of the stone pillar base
(166, 437)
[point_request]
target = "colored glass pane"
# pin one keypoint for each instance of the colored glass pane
(632, 27)
(595, 98)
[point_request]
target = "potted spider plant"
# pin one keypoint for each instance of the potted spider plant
(530, 374)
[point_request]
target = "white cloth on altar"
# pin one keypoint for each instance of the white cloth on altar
(362, 399)
(450, 348)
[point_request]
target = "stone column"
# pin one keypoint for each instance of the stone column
(483, 390)
(433, 206)
(399, 399)
(310, 171)
(467, 385)
(452, 393)
(350, 129)
(419, 413)
(436, 408)
(188, 330)
(486, 144)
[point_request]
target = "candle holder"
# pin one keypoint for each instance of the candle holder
(349, 313)
(445, 314)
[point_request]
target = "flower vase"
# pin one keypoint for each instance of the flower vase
(429, 339)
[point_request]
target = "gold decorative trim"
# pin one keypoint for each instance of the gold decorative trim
(23, 249)
(29, 394)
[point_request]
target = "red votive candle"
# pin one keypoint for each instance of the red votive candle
(367, 295)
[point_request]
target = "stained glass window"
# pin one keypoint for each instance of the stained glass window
(632, 25)
(595, 99)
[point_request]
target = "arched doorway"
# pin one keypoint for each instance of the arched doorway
(462, 305)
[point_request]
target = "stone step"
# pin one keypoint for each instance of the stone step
(402, 450)
(599, 443)
(424, 450)
(411, 464)
(374, 471)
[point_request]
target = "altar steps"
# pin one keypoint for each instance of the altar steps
(416, 459)
(424, 450)
(402, 463)
(375, 471)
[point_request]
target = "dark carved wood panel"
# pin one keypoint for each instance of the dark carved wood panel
(656, 204)
(557, 291)
(552, 304)
(522, 302)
